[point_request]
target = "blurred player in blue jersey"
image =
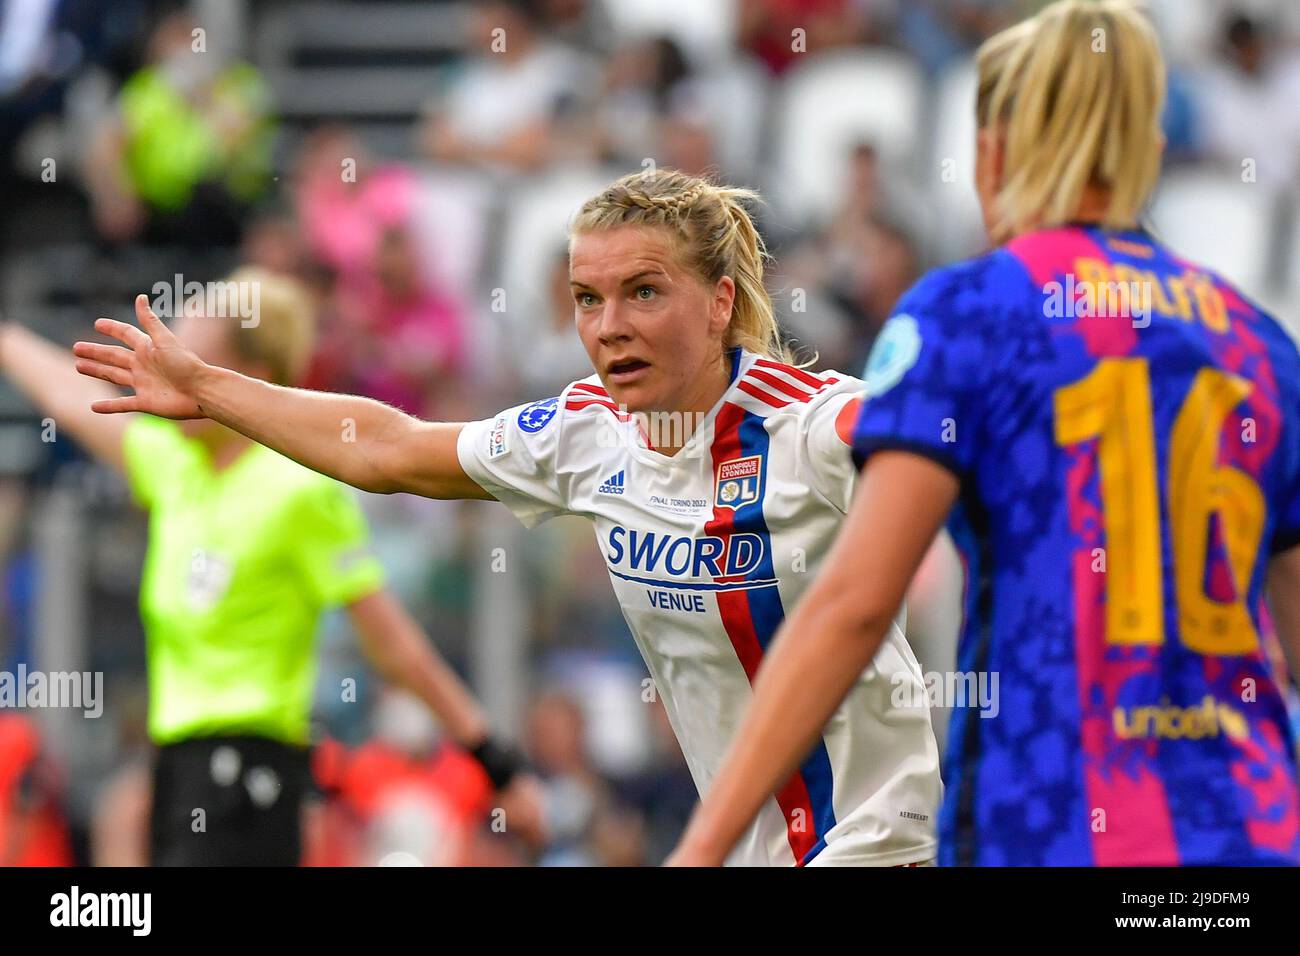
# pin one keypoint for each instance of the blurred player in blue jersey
(1113, 435)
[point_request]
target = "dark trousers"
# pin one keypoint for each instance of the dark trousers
(228, 801)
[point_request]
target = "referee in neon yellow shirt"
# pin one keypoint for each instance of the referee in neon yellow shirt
(247, 549)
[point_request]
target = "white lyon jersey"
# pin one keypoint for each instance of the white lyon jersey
(708, 550)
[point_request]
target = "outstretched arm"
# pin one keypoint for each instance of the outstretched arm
(821, 650)
(361, 442)
(47, 376)
(397, 648)
(402, 654)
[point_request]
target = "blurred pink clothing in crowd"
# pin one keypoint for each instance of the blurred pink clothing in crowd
(343, 220)
(392, 332)
(412, 340)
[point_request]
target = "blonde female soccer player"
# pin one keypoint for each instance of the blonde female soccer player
(714, 472)
(1122, 466)
(246, 551)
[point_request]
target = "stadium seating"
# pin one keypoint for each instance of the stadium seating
(952, 162)
(453, 210)
(705, 29)
(537, 214)
(325, 62)
(1186, 27)
(1214, 218)
(738, 94)
(826, 106)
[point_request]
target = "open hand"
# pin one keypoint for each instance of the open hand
(151, 361)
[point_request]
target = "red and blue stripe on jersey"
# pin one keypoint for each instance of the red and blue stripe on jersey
(751, 618)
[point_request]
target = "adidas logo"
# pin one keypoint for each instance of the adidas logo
(613, 485)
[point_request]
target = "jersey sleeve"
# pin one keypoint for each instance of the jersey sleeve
(927, 375)
(828, 443)
(332, 545)
(513, 457)
(152, 450)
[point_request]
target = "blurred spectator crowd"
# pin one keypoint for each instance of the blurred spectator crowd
(413, 163)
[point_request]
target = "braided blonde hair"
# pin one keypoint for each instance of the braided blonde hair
(715, 237)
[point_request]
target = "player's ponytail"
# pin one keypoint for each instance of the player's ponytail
(715, 235)
(1077, 91)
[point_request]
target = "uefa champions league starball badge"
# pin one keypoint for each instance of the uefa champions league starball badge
(534, 418)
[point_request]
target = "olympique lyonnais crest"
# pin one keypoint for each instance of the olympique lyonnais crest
(738, 482)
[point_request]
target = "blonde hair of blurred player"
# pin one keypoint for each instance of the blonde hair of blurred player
(284, 336)
(714, 235)
(276, 345)
(1068, 111)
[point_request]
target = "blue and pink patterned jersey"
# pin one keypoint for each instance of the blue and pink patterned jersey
(1126, 429)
